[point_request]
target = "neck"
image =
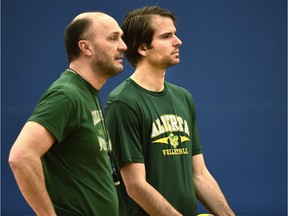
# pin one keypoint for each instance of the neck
(152, 80)
(88, 75)
(76, 72)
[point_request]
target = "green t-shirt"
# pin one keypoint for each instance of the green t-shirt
(77, 168)
(159, 130)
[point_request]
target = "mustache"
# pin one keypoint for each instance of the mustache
(119, 56)
(176, 51)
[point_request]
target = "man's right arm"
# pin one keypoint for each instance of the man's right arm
(134, 177)
(25, 161)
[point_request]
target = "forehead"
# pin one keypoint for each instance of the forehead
(162, 24)
(105, 25)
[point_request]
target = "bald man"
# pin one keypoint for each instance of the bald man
(60, 159)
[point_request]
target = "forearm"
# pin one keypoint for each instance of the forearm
(152, 201)
(210, 195)
(29, 175)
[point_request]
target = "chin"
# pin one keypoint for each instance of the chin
(176, 62)
(118, 70)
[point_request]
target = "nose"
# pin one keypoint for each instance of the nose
(122, 45)
(178, 42)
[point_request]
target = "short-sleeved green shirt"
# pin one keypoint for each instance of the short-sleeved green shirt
(159, 130)
(77, 168)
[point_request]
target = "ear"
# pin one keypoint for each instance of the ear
(84, 46)
(142, 49)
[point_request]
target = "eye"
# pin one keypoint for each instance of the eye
(166, 36)
(113, 38)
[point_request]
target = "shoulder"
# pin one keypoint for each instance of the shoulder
(177, 90)
(126, 92)
(68, 84)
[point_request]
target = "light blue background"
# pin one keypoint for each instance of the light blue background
(233, 61)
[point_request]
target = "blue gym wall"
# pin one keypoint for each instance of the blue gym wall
(233, 61)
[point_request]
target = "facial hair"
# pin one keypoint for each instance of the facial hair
(158, 60)
(105, 65)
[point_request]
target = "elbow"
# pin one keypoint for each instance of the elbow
(13, 160)
(198, 178)
(134, 189)
(201, 175)
(16, 159)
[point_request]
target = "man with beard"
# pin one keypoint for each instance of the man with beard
(60, 159)
(152, 125)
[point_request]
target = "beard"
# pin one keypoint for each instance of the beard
(163, 62)
(160, 60)
(106, 66)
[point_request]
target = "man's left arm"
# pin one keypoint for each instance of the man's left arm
(207, 189)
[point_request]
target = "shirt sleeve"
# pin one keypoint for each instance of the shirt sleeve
(196, 149)
(123, 126)
(54, 112)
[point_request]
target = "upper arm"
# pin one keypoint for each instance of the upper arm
(198, 165)
(33, 140)
(133, 175)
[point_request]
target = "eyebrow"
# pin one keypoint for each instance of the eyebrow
(116, 33)
(167, 34)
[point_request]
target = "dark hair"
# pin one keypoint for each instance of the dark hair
(137, 29)
(76, 31)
